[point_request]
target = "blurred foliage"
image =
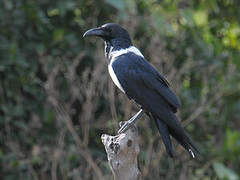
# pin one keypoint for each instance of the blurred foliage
(50, 74)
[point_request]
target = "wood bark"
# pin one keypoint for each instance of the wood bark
(122, 151)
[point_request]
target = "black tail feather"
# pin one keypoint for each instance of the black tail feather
(180, 135)
(163, 129)
(188, 145)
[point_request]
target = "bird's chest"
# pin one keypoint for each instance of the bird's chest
(114, 76)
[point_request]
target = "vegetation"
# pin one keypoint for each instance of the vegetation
(57, 98)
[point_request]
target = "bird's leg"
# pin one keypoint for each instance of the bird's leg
(130, 122)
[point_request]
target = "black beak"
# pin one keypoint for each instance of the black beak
(95, 32)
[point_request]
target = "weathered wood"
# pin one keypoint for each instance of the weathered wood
(122, 151)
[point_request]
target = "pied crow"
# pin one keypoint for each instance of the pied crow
(141, 82)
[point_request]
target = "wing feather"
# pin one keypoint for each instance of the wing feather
(135, 71)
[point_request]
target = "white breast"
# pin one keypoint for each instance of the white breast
(113, 57)
(114, 77)
(120, 52)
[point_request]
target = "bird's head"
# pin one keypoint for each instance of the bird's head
(109, 32)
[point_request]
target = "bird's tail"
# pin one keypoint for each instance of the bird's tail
(178, 133)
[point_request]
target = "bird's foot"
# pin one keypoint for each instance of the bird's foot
(127, 125)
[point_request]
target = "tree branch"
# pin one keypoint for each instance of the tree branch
(122, 151)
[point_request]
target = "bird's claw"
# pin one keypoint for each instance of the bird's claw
(127, 125)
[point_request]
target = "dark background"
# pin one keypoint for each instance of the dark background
(57, 98)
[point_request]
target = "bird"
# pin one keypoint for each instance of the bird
(142, 83)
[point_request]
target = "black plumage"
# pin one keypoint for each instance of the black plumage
(141, 82)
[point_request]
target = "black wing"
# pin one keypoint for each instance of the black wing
(136, 74)
(149, 89)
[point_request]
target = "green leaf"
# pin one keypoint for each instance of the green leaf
(223, 172)
(187, 17)
(200, 18)
(118, 4)
(58, 35)
(36, 160)
(232, 141)
(53, 12)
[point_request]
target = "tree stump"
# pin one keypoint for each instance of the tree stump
(122, 151)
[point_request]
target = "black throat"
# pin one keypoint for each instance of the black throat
(115, 45)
